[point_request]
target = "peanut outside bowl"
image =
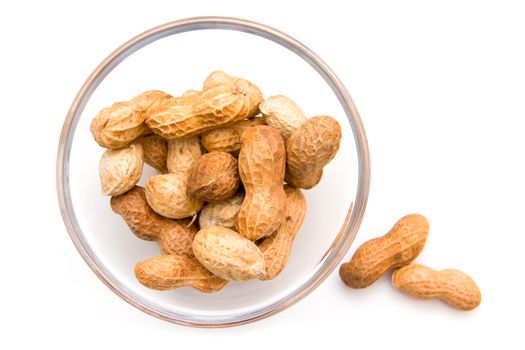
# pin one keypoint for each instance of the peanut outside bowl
(175, 57)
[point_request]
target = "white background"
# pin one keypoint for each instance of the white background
(440, 88)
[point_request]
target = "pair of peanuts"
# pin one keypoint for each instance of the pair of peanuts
(396, 250)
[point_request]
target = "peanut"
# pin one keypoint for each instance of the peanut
(222, 213)
(167, 195)
(283, 114)
(399, 247)
(155, 151)
(276, 248)
(213, 177)
(261, 167)
(120, 169)
(150, 100)
(247, 88)
(173, 237)
(309, 149)
(450, 286)
(121, 123)
(228, 139)
(228, 254)
(215, 106)
(172, 271)
(182, 153)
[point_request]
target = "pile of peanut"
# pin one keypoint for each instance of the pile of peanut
(219, 207)
(397, 250)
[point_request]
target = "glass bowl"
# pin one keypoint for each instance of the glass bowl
(189, 50)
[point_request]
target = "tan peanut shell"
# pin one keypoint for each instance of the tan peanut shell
(222, 213)
(214, 107)
(182, 153)
(167, 195)
(120, 169)
(283, 114)
(276, 248)
(188, 93)
(173, 236)
(172, 271)
(213, 177)
(155, 151)
(228, 254)
(309, 149)
(399, 247)
(228, 139)
(252, 93)
(118, 125)
(150, 100)
(451, 286)
(261, 168)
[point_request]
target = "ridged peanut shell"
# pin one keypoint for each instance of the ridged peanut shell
(120, 169)
(171, 271)
(182, 153)
(283, 114)
(173, 236)
(309, 149)
(261, 168)
(399, 247)
(276, 248)
(118, 125)
(222, 213)
(192, 115)
(248, 89)
(228, 139)
(228, 254)
(453, 287)
(214, 177)
(155, 151)
(150, 100)
(167, 195)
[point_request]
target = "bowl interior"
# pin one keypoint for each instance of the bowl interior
(175, 64)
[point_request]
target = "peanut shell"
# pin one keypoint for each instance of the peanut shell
(261, 168)
(171, 271)
(213, 177)
(222, 213)
(228, 254)
(166, 194)
(173, 236)
(453, 287)
(309, 149)
(120, 169)
(283, 114)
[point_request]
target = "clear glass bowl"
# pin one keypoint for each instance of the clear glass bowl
(189, 50)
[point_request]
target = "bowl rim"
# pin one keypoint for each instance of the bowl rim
(333, 255)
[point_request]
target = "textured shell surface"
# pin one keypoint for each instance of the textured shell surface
(452, 286)
(222, 213)
(277, 247)
(166, 194)
(182, 153)
(155, 151)
(228, 254)
(173, 236)
(118, 125)
(309, 149)
(167, 272)
(261, 168)
(283, 114)
(399, 247)
(228, 139)
(214, 177)
(120, 169)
